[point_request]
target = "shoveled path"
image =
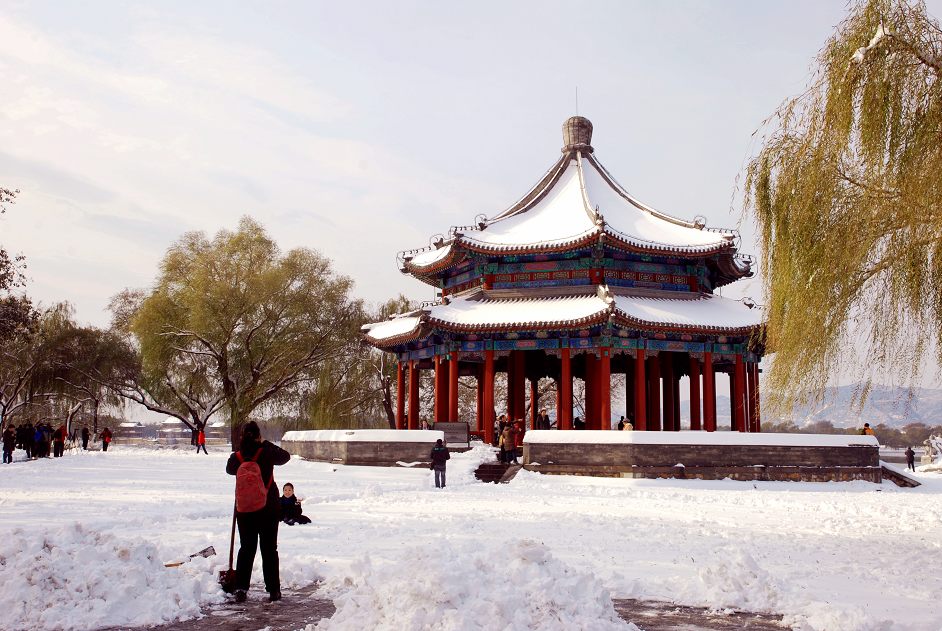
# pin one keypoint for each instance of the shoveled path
(301, 607)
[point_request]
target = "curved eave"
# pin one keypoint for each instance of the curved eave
(625, 242)
(560, 325)
(632, 322)
(728, 269)
(396, 340)
(575, 243)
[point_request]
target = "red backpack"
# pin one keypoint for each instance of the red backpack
(251, 493)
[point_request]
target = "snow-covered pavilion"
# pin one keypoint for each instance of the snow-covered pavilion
(579, 279)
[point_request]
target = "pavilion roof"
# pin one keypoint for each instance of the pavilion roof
(508, 310)
(576, 203)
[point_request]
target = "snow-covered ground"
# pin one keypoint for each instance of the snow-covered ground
(84, 540)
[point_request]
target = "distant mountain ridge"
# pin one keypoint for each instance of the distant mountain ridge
(885, 405)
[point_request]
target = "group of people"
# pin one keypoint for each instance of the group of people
(509, 437)
(41, 440)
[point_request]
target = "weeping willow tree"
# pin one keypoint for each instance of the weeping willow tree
(847, 193)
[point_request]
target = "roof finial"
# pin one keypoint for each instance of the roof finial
(577, 134)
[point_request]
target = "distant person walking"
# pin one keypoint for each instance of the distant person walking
(106, 436)
(440, 455)
(9, 444)
(258, 509)
(201, 441)
(910, 459)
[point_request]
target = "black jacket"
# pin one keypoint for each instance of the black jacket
(271, 455)
(439, 456)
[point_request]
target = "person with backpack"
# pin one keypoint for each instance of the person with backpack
(258, 509)
(439, 456)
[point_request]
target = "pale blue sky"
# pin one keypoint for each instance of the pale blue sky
(360, 129)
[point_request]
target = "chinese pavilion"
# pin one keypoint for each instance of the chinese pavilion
(580, 279)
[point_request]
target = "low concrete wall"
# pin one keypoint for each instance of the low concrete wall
(362, 447)
(741, 462)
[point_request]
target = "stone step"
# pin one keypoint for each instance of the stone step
(897, 477)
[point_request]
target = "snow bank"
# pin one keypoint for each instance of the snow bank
(367, 435)
(76, 578)
(462, 587)
(598, 437)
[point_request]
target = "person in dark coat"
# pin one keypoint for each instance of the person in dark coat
(259, 529)
(29, 441)
(106, 437)
(440, 455)
(85, 436)
(58, 441)
(291, 507)
(9, 444)
(910, 459)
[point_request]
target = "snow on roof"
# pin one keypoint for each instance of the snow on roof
(171, 420)
(558, 218)
(597, 437)
(479, 311)
(365, 435)
(130, 424)
(394, 327)
(692, 310)
(430, 257)
(565, 213)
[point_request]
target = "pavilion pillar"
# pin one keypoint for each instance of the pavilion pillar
(694, 393)
(641, 414)
(709, 393)
(605, 389)
(534, 401)
(453, 388)
(511, 369)
(590, 391)
(487, 402)
(739, 394)
(667, 370)
(438, 378)
(676, 396)
(754, 403)
(629, 390)
(559, 401)
(413, 396)
(654, 393)
(479, 408)
(400, 395)
(564, 420)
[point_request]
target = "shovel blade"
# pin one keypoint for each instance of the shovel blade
(205, 553)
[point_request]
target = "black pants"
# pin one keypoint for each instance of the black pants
(911, 465)
(258, 530)
(58, 448)
(203, 447)
(7, 456)
(85, 444)
(104, 445)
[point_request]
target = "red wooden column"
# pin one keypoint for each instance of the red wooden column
(534, 401)
(739, 395)
(559, 402)
(488, 397)
(400, 395)
(479, 408)
(757, 419)
(564, 421)
(667, 370)
(641, 413)
(694, 393)
(654, 393)
(453, 388)
(709, 393)
(413, 396)
(629, 389)
(605, 389)
(590, 391)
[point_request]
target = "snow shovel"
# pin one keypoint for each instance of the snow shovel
(227, 578)
(205, 553)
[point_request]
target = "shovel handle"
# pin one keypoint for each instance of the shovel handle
(232, 537)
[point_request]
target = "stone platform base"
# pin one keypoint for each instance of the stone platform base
(759, 472)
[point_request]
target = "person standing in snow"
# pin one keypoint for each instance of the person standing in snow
(258, 529)
(201, 441)
(9, 444)
(440, 455)
(910, 459)
(85, 436)
(58, 441)
(105, 439)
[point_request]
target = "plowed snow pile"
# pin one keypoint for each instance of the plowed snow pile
(518, 584)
